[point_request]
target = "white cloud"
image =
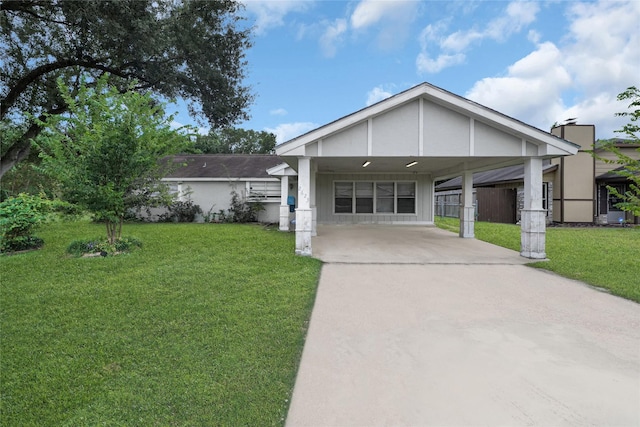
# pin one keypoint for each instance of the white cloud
(286, 131)
(599, 58)
(369, 12)
(425, 64)
(449, 49)
(278, 112)
(531, 89)
(391, 19)
(332, 36)
(377, 94)
(270, 14)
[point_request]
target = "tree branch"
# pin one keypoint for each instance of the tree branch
(21, 149)
(22, 83)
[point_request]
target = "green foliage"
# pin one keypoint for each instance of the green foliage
(102, 247)
(105, 152)
(235, 141)
(189, 49)
(197, 329)
(630, 166)
(181, 211)
(242, 210)
(19, 217)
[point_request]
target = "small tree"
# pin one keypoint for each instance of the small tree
(105, 152)
(630, 167)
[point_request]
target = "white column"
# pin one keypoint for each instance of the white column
(533, 222)
(303, 212)
(284, 207)
(314, 211)
(467, 211)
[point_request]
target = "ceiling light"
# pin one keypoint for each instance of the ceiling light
(408, 165)
(365, 164)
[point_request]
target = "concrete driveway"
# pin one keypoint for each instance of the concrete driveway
(413, 327)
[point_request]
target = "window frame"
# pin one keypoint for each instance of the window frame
(375, 196)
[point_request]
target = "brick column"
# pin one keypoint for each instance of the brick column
(303, 212)
(284, 207)
(533, 222)
(467, 211)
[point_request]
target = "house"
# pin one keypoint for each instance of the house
(209, 179)
(379, 165)
(574, 188)
(498, 195)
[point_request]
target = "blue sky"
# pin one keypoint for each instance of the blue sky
(541, 62)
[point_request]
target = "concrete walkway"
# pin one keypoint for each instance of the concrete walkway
(402, 337)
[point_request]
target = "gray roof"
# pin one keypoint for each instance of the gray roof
(223, 165)
(614, 176)
(496, 176)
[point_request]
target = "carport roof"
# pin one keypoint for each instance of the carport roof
(443, 98)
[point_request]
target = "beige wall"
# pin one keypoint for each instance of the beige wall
(574, 183)
(603, 167)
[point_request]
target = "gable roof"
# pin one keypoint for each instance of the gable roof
(497, 176)
(223, 165)
(443, 98)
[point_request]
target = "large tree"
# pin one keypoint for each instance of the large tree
(235, 141)
(178, 49)
(105, 152)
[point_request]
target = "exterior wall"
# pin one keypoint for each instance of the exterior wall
(325, 199)
(575, 191)
(602, 167)
(213, 196)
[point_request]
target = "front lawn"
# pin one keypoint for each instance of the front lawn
(202, 326)
(606, 257)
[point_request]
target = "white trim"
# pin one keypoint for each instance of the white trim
(217, 179)
(370, 136)
(421, 128)
(320, 148)
(524, 147)
(472, 136)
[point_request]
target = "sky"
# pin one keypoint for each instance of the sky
(542, 62)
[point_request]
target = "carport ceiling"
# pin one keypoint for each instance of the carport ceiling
(437, 167)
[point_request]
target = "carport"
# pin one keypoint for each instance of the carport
(379, 165)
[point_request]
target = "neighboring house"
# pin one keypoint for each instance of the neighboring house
(574, 188)
(379, 165)
(606, 210)
(209, 179)
(498, 194)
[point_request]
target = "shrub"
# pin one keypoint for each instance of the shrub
(242, 210)
(19, 216)
(179, 211)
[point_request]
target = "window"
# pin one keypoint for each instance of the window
(263, 190)
(344, 197)
(364, 197)
(385, 197)
(545, 195)
(367, 197)
(406, 197)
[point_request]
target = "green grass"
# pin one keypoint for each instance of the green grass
(202, 326)
(608, 258)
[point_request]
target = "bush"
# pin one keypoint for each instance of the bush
(19, 216)
(181, 212)
(242, 210)
(101, 246)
